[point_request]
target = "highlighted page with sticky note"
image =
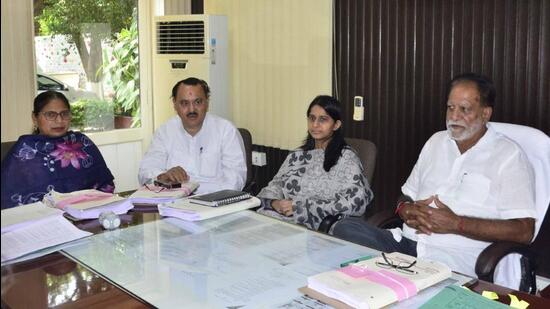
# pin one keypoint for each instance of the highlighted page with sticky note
(371, 284)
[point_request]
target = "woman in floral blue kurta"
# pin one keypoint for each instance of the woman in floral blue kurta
(53, 158)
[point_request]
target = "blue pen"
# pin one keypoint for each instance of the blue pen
(363, 258)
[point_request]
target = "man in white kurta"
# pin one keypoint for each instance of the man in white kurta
(492, 180)
(195, 145)
(470, 186)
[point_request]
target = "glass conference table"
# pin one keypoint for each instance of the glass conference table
(243, 260)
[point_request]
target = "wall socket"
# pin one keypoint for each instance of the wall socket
(259, 158)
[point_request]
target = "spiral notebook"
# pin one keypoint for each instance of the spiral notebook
(220, 198)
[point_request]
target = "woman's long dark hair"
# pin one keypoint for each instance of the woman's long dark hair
(334, 148)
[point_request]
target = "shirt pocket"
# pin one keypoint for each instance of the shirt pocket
(474, 188)
(209, 164)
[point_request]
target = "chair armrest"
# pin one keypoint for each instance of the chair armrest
(328, 222)
(385, 220)
(250, 188)
(488, 258)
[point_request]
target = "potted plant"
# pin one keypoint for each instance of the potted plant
(122, 66)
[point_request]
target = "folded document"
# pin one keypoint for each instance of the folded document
(186, 210)
(374, 284)
(87, 204)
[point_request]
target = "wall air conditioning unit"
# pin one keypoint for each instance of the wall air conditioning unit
(190, 46)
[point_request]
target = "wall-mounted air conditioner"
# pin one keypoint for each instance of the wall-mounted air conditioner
(190, 46)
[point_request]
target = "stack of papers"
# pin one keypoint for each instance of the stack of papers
(183, 209)
(368, 285)
(33, 227)
(87, 204)
(150, 194)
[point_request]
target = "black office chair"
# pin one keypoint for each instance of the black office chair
(250, 185)
(6, 146)
(366, 150)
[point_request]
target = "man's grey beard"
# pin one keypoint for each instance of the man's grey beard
(468, 131)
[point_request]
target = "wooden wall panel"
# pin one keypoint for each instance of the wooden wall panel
(399, 55)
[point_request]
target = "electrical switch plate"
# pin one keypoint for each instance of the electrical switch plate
(259, 158)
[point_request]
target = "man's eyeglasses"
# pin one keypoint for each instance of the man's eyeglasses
(196, 103)
(52, 116)
(154, 188)
(401, 267)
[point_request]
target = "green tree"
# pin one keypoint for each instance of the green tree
(79, 18)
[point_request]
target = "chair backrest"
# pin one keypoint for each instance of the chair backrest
(247, 140)
(366, 150)
(536, 146)
(6, 146)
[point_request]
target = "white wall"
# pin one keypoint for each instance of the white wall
(18, 80)
(123, 161)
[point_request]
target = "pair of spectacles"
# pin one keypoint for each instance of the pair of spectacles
(52, 116)
(154, 188)
(196, 103)
(401, 267)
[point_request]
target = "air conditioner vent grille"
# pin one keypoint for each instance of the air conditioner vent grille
(180, 37)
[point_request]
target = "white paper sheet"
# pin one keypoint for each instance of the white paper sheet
(119, 207)
(46, 233)
(13, 218)
(185, 210)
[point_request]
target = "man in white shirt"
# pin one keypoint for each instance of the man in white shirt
(470, 186)
(195, 145)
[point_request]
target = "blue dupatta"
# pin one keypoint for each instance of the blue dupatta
(37, 164)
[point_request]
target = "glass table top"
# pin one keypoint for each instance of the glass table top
(243, 260)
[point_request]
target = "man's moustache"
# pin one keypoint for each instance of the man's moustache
(192, 114)
(455, 123)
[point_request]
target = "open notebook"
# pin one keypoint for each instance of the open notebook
(34, 227)
(374, 284)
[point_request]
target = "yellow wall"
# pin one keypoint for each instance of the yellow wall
(18, 83)
(280, 59)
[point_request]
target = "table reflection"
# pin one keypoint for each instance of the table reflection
(58, 281)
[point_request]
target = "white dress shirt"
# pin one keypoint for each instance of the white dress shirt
(214, 157)
(491, 180)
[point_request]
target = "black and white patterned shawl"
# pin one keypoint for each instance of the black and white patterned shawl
(316, 193)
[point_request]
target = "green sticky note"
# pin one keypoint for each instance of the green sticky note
(454, 296)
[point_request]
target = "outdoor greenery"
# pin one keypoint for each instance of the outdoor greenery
(110, 54)
(73, 17)
(92, 115)
(122, 68)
